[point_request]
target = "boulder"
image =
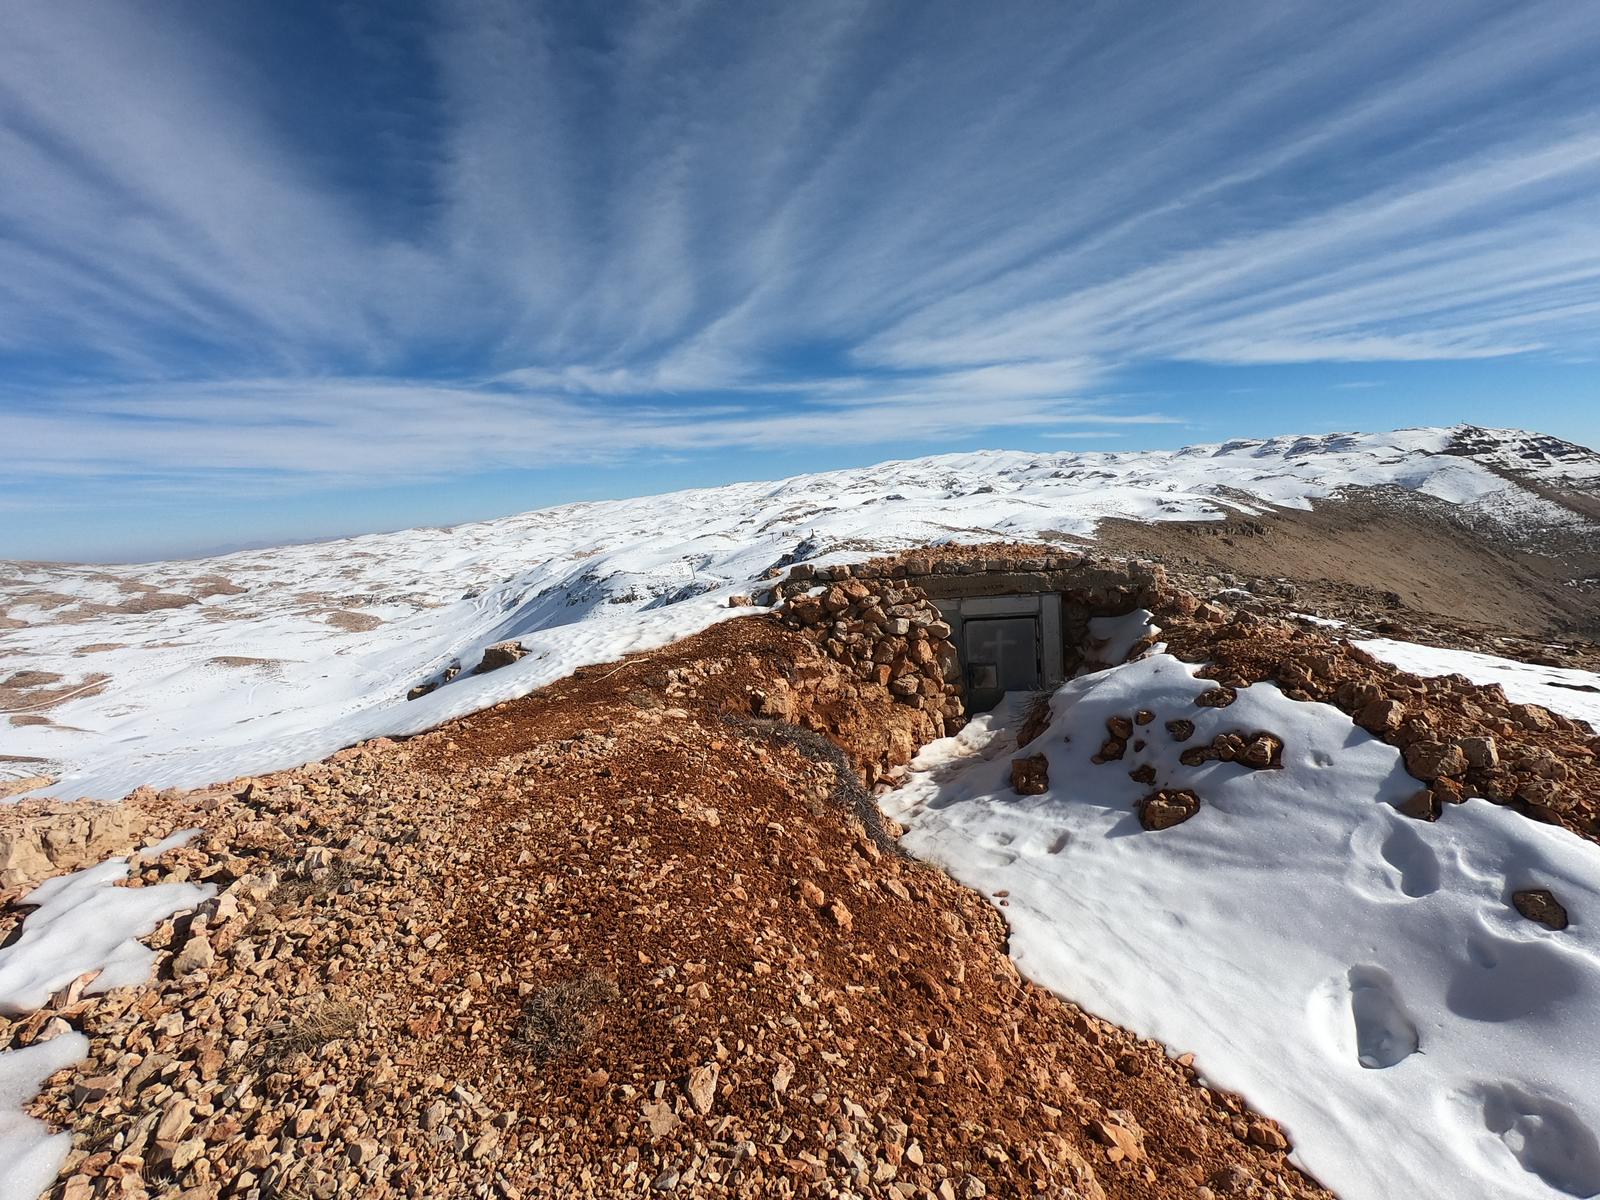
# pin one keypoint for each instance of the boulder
(501, 654)
(1481, 752)
(1164, 809)
(1537, 904)
(1381, 716)
(1430, 759)
(1030, 776)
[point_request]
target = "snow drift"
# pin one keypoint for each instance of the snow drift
(1361, 977)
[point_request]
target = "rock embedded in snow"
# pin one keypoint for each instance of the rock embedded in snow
(501, 654)
(1538, 904)
(1261, 751)
(1164, 809)
(1423, 805)
(1030, 776)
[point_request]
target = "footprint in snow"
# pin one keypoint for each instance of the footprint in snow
(1385, 1033)
(1391, 861)
(1507, 979)
(1359, 1016)
(1537, 1133)
(1413, 860)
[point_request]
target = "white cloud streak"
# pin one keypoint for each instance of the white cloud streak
(708, 225)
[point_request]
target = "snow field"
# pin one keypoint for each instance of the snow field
(1357, 975)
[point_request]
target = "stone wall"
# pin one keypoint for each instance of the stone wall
(885, 631)
(880, 617)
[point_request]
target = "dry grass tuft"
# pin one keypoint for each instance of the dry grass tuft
(559, 1019)
(328, 1023)
(1036, 719)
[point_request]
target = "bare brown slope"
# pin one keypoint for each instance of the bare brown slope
(1384, 552)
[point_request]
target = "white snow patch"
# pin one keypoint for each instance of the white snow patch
(1111, 638)
(1325, 622)
(85, 923)
(31, 1156)
(1360, 976)
(1565, 690)
(171, 842)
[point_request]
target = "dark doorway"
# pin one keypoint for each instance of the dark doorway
(1002, 655)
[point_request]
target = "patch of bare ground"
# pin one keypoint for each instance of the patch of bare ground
(629, 935)
(67, 610)
(353, 622)
(215, 585)
(25, 783)
(149, 602)
(40, 691)
(1368, 550)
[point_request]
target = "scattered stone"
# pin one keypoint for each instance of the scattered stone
(1121, 1135)
(196, 955)
(501, 654)
(1538, 904)
(660, 1119)
(1164, 809)
(702, 1087)
(1030, 776)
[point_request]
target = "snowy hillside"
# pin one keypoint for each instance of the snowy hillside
(184, 672)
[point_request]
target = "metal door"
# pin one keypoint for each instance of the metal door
(1002, 656)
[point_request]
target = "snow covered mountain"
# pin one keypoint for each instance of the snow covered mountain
(179, 673)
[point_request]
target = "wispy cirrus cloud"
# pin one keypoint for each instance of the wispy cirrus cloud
(332, 248)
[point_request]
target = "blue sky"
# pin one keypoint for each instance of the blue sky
(288, 270)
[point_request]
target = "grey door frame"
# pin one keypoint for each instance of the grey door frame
(1044, 606)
